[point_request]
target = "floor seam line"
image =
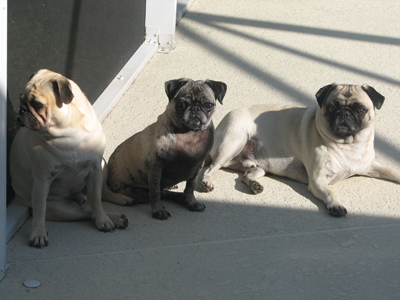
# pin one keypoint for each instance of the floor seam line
(259, 238)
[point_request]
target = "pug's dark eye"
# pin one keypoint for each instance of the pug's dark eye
(331, 108)
(36, 105)
(182, 104)
(208, 106)
(361, 111)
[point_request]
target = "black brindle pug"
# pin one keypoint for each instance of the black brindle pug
(168, 151)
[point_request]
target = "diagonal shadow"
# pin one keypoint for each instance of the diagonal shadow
(307, 55)
(245, 66)
(269, 79)
(370, 38)
(387, 148)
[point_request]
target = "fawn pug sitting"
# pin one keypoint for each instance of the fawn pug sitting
(56, 156)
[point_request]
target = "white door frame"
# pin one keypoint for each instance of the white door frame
(3, 134)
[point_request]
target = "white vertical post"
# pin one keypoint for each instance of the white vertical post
(182, 8)
(160, 23)
(3, 134)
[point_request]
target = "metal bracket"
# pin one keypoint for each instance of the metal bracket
(152, 34)
(165, 41)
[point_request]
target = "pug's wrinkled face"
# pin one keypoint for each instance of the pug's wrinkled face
(194, 106)
(44, 94)
(194, 101)
(348, 109)
(33, 111)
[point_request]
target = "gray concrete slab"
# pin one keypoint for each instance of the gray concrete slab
(280, 244)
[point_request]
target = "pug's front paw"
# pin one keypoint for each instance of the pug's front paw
(206, 187)
(38, 238)
(337, 211)
(161, 214)
(197, 206)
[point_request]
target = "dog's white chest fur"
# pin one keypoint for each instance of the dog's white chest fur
(346, 160)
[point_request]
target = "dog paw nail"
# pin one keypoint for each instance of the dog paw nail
(205, 187)
(197, 207)
(337, 211)
(161, 215)
(256, 187)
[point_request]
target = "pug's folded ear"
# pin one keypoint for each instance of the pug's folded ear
(376, 98)
(62, 88)
(172, 87)
(219, 88)
(323, 93)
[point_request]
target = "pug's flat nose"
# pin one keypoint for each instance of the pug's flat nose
(344, 114)
(20, 122)
(196, 108)
(23, 108)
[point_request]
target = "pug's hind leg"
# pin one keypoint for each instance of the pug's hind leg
(206, 184)
(228, 144)
(250, 177)
(379, 171)
(80, 198)
(66, 210)
(70, 210)
(116, 198)
(120, 220)
(187, 200)
(222, 159)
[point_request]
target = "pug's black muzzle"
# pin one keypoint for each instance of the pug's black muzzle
(195, 118)
(20, 122)
(345, 124)
(22, 110)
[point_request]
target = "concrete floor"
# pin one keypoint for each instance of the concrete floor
(280, 244)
